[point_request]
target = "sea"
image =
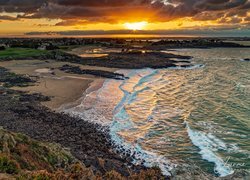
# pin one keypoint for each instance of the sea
(194, 117)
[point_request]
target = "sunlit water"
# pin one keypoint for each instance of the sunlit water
(198, 116)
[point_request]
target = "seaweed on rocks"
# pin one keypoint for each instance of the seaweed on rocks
(10, 79)
(87, 141)
(123, 60)
(106, 74)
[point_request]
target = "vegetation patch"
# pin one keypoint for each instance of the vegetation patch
(7, 165)
(21, 53)
(100, 73)
(26, 159)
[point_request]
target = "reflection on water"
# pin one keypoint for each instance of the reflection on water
(198, 116)
(93, 55)
(99, 52)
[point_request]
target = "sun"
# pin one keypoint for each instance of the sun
(136, 25)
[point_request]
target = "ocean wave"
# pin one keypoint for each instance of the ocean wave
(188, 67)
(122, 122)
(138, 97)
(209, 145)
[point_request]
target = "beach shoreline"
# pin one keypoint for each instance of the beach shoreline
(90, 143)
(63, 88)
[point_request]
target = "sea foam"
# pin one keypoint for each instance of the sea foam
(122, 121)
(209, 145)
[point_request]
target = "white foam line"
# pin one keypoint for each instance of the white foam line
(208, 145)
(196, 66)
(121, 120)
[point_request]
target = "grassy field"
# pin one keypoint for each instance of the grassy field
(21, 53)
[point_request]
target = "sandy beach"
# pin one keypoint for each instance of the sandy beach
(63, 88)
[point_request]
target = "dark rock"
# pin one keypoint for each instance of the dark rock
(87, 142)
(106, 74)
(2, 48)
(11, 79)
(33, 97)
(124, 60)
(21, 112)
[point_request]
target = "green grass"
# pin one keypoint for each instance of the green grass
(21, 53)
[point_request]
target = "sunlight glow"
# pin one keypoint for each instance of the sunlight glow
(136, 25)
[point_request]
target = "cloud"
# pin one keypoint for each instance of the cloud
(72, 12)
(8, 18)
(26, 6)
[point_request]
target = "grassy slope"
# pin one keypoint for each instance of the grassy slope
(26, 159)
(21, 53)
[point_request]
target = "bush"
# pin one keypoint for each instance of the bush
(8, 166)
(2, 48)
(42, 176)
(113, 175)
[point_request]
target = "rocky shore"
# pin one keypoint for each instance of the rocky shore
(89, 152)
(9, 79)
(123, 60)
(99, 73)
(22, 157)
(90, 143)
(22, 112)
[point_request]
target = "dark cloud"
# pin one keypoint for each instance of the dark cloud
(211, 5)
(26, 6)
(89, 11)
(202, 9)
(102, 3)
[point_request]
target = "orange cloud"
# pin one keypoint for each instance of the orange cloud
(166, 14)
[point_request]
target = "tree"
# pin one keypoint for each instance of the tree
(2, 48)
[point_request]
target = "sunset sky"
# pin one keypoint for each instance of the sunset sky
(18, 17)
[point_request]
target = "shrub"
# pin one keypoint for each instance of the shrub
(2, 48)
(42, 175)
(8, 166)
(113, 175)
